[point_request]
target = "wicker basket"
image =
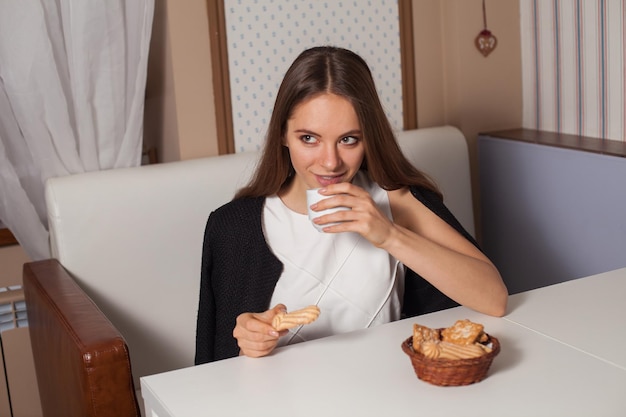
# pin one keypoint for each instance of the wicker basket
(451, 372)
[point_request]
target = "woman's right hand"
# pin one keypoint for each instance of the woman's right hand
(254, 332)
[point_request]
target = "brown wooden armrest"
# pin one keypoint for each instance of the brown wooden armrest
(81, 360)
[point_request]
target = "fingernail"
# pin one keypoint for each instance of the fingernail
(273, 333)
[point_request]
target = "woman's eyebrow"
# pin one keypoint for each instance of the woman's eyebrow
(307, 131)
(312, 133)
(352, 132)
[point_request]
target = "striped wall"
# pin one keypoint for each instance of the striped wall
(573, 57)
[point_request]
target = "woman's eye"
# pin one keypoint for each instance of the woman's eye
(349, 140)
(307, 139)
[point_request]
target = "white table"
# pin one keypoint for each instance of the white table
(365, 373)
(581, 313)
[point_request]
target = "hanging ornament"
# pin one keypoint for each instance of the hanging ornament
(485, 42)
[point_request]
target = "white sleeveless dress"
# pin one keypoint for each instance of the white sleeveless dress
(355, 284)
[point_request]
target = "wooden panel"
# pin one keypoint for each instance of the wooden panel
(7, 238)
(562, 140)
(221, 80)
(409, 104)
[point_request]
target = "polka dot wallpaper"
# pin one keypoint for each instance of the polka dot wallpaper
(265, 36)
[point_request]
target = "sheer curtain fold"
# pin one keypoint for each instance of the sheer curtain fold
(72, 86)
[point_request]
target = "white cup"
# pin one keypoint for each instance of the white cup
(313, 196)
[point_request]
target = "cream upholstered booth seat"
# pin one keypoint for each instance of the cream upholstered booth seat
(442, 153)
(132, 240)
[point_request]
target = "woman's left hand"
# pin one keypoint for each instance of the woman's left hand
(364, 217)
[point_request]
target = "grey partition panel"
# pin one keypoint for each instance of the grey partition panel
(550, 214)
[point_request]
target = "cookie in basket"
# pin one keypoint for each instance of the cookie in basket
(424, 334)
(463, 332)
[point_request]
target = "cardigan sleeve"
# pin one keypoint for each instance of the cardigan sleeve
(205, 323)
(231, 284)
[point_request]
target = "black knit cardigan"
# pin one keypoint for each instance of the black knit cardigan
(239, 273)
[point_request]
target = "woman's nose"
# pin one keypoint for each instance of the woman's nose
(330, 158)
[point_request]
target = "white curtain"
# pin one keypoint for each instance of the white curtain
(72, 86)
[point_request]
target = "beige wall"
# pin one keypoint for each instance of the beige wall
(430, 76)
(180, 108)
(11, 260)
(455, 84)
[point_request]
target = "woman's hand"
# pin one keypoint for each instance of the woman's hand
(364, 217)
(254, 332)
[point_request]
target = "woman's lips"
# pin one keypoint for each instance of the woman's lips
(325, 180)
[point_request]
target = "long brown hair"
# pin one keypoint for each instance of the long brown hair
(338, 71)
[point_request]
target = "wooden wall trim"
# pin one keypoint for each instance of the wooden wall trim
(221, 79)
(563, 140)
(407, 54)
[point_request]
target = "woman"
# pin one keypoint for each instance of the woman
(397, 252)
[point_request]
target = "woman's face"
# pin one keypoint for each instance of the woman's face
(325, 142)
